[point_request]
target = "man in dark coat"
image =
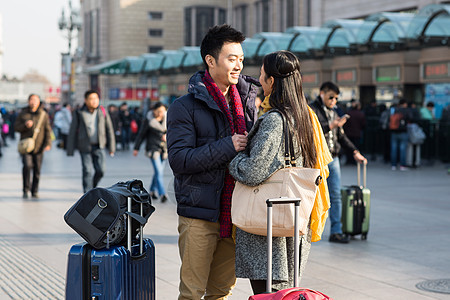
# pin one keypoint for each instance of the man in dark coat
(205, 129)
(354, 128)
(27, 123)
(324, 107)
(91, 131)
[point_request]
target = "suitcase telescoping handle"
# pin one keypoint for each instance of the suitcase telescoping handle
(129, 229)
(270, 203)
(364, 173)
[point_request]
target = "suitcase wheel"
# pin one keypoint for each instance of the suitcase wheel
(364, 236)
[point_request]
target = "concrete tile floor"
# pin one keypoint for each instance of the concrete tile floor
(408, 241)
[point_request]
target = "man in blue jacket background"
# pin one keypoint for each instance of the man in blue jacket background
(206, 128)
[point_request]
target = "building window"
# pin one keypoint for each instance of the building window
(155, 32)
(287, 10)
(155, 15)
(92, 35)
(154, 49)
(263, 16)
(240, 18)
(290, 12)
(197, 21)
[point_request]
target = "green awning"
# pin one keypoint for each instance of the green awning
(152, 62)
(273, 41)
(192, 57)
(432, 21)
(127, 65)
(304, 38)
(112, 67)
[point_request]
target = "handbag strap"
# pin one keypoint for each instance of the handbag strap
(289, 156)
(37, 129)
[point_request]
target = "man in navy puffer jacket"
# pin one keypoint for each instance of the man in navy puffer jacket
(206, 128)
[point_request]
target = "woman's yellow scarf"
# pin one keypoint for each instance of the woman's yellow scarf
(319, 212)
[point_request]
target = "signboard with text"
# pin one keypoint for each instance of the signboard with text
(387, 73)
(439, 70)
(345, 77)
(128, 94)
(310, 79)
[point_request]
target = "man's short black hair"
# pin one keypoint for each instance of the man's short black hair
(89, 92)
(329, 86)
(215, 38)
(31, 95)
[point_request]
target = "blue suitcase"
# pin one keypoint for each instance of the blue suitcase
(125, 273)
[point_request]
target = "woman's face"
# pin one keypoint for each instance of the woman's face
(267, 83)
(159, 112)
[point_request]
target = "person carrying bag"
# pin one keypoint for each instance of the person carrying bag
(248, 209)
(265, 158)
(27, 145)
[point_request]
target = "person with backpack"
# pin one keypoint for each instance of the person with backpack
(91, 131)
(398, 121)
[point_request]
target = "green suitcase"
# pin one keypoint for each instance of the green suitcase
(356, 207)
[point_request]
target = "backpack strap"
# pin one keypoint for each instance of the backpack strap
(103, 110)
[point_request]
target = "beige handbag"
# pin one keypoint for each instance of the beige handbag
(27, 145)
(249, 209)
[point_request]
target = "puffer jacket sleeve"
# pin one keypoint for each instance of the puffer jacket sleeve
(184, 155)
(260, 161)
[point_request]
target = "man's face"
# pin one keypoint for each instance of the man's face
(34, 103)
(92, 101)
(329, 98)
(226, 69)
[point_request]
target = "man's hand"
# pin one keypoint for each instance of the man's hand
(111, 154)
(135, 152)
(29, 123)
(239, 141)
(163, 138)
(359, 158)
(339, 122)
(47, 148)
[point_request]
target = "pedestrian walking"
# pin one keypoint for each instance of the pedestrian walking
(63, 119)
(335, 136)
(399, 118)
(91, 131)
(153, 131)
(33, 120)
(205, 130)
(125, 123)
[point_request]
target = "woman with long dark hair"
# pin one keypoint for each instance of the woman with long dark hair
(264, 155)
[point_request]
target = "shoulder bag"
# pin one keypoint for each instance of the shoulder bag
(27, 145)
(249, 210)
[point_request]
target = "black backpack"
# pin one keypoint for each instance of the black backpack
(99, 216)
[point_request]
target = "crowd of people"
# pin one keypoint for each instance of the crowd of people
(88, 128)
(220, 133)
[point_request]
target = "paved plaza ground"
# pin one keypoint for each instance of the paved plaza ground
(408, 241)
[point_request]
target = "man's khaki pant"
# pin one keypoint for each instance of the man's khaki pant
(207, 261)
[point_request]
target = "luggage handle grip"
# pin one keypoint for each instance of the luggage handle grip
(364, 173)
(269, 203)
(129, 228)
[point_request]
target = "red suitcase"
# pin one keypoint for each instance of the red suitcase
(292, 293)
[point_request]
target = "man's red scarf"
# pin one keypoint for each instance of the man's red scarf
(236, 120)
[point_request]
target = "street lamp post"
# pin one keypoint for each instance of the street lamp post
(70, 25)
